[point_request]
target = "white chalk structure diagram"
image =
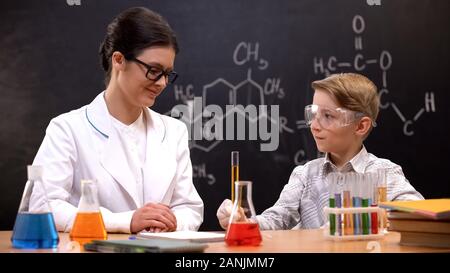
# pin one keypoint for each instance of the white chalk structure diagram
(359, 63)
(252, 92)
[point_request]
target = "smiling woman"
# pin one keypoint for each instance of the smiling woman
(140, 158)
(133, 86)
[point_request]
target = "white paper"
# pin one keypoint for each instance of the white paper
(195, 236)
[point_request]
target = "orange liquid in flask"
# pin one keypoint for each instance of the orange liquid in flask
(88, 226)
(243, 234)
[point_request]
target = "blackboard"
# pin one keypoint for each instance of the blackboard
(266, 52)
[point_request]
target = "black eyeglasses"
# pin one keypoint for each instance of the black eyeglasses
(154, 73)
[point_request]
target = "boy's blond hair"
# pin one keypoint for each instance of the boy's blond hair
(352, 91)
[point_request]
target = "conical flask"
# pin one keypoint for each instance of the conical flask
(34, 226)
(243, 229)
(88, 224)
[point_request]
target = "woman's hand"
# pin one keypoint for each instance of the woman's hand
(153, 217)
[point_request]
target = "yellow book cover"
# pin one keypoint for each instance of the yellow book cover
(432, 208)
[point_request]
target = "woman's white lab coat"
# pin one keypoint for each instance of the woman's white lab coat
(81, 144)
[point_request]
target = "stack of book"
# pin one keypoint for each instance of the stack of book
(421, 223)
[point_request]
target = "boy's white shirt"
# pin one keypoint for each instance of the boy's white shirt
(304, 197)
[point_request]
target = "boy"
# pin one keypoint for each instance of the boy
(345, 107)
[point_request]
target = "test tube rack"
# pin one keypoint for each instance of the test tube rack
(344, 211)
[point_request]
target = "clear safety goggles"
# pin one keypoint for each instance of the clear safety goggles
(330, 117)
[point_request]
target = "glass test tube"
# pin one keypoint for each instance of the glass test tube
(332, 203)
(347, 198)
(234, 171)
(382, 197)
(368, 179)
(338, 200)
(357, 227)
(365, 204)
(374, 202)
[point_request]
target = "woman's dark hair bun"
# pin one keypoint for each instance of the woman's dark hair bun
(132, 31)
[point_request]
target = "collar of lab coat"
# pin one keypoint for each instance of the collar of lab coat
(99, 118)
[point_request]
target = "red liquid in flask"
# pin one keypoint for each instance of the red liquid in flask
(239, 234)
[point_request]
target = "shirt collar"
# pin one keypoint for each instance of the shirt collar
(98, 116)
(138, 124)
(358, 163)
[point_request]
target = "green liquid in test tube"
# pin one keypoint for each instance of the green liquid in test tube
(365, 204)
(332, 217)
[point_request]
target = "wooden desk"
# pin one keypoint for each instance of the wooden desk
(283, 241)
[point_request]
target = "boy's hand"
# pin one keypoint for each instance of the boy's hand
(224, 213)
